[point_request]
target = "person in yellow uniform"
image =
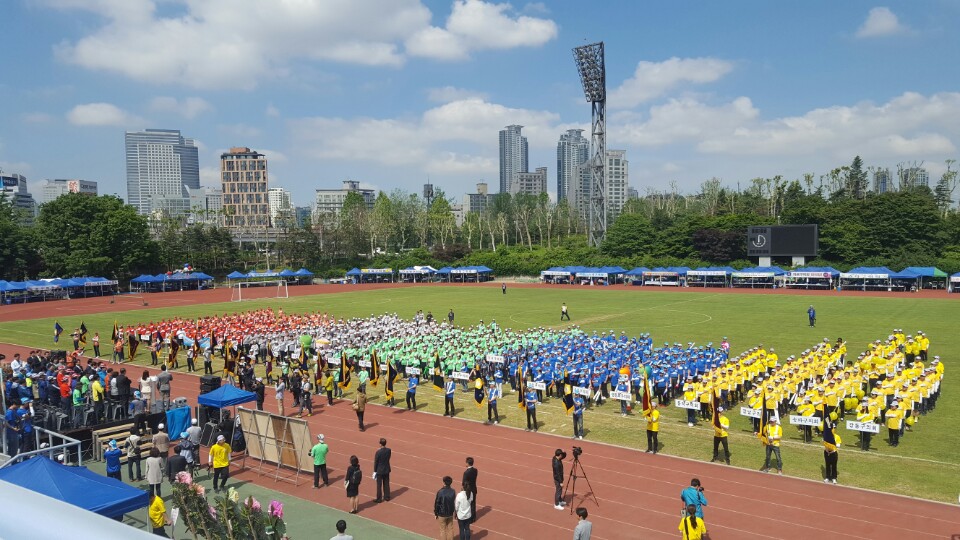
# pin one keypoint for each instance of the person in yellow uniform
(158, 516)
(806, 408)
(691, 527)
(219, 458)
(705, 390)
(756, 403)
(773, 433)
(720, 436)
(653, 429)
(831, 450)
(894, 421)
(690, 394)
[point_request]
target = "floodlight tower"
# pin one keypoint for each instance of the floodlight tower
(593, 76)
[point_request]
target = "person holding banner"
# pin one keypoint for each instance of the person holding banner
(720, 426)
(449, 388)
(773, 432)
(578, 416)
(653, 428)
(831, 446)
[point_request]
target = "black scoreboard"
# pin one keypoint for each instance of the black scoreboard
(783, 241)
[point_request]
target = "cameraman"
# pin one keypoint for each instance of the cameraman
(693, 495)
(558, 458)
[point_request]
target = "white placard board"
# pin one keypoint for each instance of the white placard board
(684, 404)
(750, 412)
(796, 420)
(869, 427)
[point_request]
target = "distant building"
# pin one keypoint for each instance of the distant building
(14, 189)
(514, 156)
(914, 177)
(330, 201)
(55, 188)
(302, 215)
(479, 201)
(206, 206)
(281, 209)
(573, 150)
(530, 183)
(618, 182)
(882, 181)
(161, 166)
(459, 215)
(632, 193)
(243, 174)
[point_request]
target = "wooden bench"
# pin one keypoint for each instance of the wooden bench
(97, 443)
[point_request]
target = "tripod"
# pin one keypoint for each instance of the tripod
(576, 471)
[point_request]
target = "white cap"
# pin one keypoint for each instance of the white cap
(221, 438)
(193, 421)
(320, 437)
(159, 426)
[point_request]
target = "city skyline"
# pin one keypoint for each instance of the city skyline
(420, 93)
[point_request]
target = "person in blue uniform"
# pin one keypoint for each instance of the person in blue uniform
(530, 400)
(412, 392)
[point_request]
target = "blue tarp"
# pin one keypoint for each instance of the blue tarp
(638, 271)
(771, 270)
(353, 272)
(926, 271)
(303, 272)
(78, 486)
(905, 274)
(287, 273)
(445, 270)
(178, 420)
(867, 271)
(144, 278)
(226, 396)
(236, 275)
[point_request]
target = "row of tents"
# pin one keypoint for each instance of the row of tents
(55, 288)
(176, 281)
(420, 274)
(809, 277)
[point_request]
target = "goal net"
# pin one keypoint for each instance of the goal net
(258, 290)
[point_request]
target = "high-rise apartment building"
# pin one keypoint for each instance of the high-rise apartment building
(57, 187)
(513, 156)
(329, 202)
(161, 166)
(914, 177)
(573, 150)
(882, 181)
(618, 183)
(281, 209)
(530, 183)
(14, 189)
(479, 201)
(243, 173)
(206, 205)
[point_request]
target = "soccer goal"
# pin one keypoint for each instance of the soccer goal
(258, 290)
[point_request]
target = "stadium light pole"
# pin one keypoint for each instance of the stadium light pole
(593, 77)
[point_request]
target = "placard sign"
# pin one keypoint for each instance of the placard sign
(460, 375)
(614, 394)
(495, 358)
(869, 427)
(581, 391)
(537, 385)
(334, 361)
(796, 420)
(364, 363)
(412, 370)
(750, 412)
(684, 404)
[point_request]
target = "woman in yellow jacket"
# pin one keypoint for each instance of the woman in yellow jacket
(691, 527)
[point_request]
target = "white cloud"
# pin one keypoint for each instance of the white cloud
(880, 22)
(37, 118)
(460, 164)
(654, 79)
(210, 177)
(188, 108)
(536, 7)
(239, 131)
(272, 111)
(683, 120)
(101, 114)
(273, 156)
(446, 94)
(17, 167)
(212, 43)
(476, 25)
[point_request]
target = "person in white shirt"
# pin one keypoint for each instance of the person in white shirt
(280, 388)
(341, 531)
(462, 506)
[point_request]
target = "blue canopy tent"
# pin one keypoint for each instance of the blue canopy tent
(287, 273)
(417, 274)
(710, 276)
(812, 277)
(475, 274)
(636, 275)
(555, 274)
(236, 275)
(867, 278)
(671, 276)
(78, 486)
(143, 282)
(303, 276)
(760, 276)
(954, 285)
(370, 275)
(226, 396)
(443, 274)
(905, 280)
(930, 277)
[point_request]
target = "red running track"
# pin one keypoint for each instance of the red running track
(638, 493)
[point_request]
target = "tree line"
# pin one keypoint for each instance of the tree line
(908, 225)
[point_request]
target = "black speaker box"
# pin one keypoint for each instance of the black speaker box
(209, 383)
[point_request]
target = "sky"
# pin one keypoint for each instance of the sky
(395, 93)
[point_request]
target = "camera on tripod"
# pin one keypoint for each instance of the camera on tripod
(577, 451)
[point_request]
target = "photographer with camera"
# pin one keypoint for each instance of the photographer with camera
(558, 458)
(693, 495)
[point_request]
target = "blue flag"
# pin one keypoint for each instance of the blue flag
(57, 330)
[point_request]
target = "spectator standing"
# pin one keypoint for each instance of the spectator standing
(584, 528)
(163, 384)
(381, 471)
(161, 441)
(154, 471)
(112, 457)
(693, 495)
(360, 405)
(463, 505)
(281, 386)
(692, 528)
(470, 478)
(564, 313)
(123, 389)
(557, 466)
(352, 481)
(132, 447)
(444, 506)
(219, 458)
(319, 455)
(812, 316)
(342, 531)
(158, 516)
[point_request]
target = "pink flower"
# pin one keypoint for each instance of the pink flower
(254, 504)
(213, 511)
(276, 509)
(184, 478)
(198, 489)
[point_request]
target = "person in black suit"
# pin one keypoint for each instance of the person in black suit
(470, 479)
(123, 392)
(381, 467)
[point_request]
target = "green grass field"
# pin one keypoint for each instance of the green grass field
(924, 465)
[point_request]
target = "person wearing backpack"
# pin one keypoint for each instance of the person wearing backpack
(352, 483)
(443, 508)
(306, 397)
(132, 447)
(691, 527)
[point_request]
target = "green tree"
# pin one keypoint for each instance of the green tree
(630, 235)
(79, 235)
(19, 258)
